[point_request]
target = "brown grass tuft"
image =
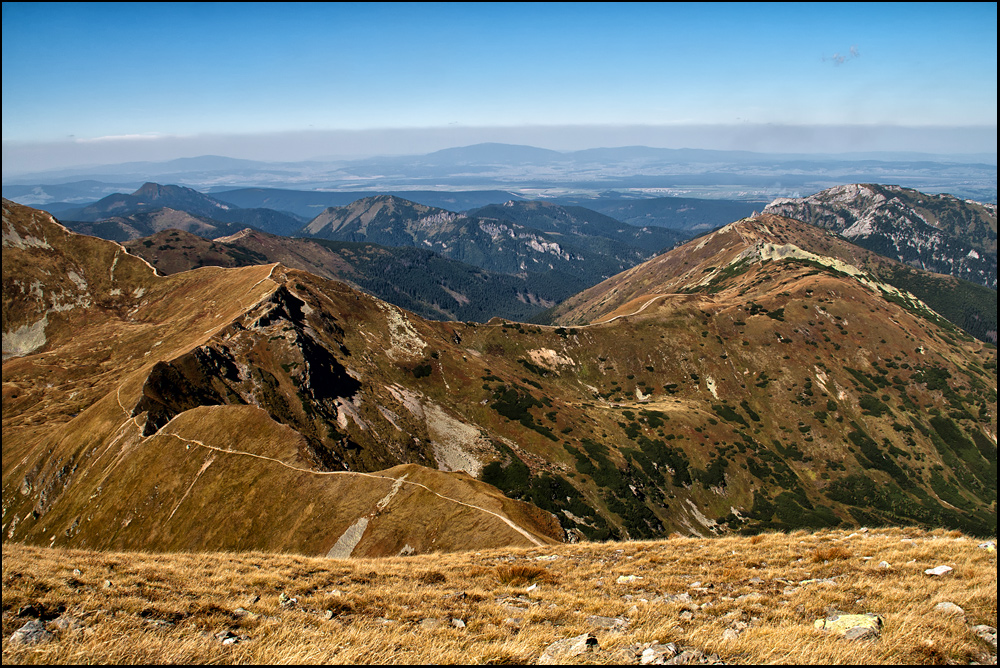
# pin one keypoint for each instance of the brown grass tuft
(516, 574)
(832, 553)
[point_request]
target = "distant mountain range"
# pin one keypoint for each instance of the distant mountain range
(141, 213)
(535, 172)
(418, 280)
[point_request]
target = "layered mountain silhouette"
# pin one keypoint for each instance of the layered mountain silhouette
(762, 376)
(154, 207)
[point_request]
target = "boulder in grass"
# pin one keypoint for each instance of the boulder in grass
(852, 627)
(33, 632)
(561, 651)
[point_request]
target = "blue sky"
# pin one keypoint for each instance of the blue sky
(294, 81)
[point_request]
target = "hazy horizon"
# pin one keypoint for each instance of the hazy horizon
(96, 83)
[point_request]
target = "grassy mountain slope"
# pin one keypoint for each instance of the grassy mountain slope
(132, 438)
(740, 382)
(748, 601)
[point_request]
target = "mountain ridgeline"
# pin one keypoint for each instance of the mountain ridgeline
(937, 233)
(763, 376)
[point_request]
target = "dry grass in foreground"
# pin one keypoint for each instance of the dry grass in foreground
(752, 600)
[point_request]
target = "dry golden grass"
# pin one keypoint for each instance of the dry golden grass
(169, 607)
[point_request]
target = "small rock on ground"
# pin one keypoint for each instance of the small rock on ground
(33, 632)
(561, 651)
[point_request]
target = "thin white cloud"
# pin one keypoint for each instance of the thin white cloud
(117, 138)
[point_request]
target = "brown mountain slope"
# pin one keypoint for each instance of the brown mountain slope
(786, 389)
(110, 437)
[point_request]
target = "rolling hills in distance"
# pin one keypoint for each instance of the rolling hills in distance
(762, 376)
(635, 171)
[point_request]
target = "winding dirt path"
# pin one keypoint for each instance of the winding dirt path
(213, 448)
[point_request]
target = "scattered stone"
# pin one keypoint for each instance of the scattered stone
(884, 565)
(939, 570)
(561, 651)
(547, 557)
(677, 598)
(159, 623)
(852, 627)
(730, 634)
(458, 623)
(788, 591)
(67, 623)
(657, 654)
(243, 612)
(532, 587)
(949, 608)
(625, 579)
(608, 623)
(987, 633)
(829, 582)
(513, 621)
(756, 581)
(335, 592)
(432, 623)
(33, 632)
(687, 615)
(107, 584)
(752, 596)
(227, 637)
(251, 599)
(328, 615)
(286, 601)
(989, 547)
(77, 572)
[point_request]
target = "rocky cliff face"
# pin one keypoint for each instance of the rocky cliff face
(938, 233)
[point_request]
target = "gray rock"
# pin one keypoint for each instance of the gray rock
(939, 570)
(458, 623)
(756, 581)
(657, 654)
(884, 565)
(607, 623)
(561, 651)
(33, 632)
(949, 608)
(730, 634)
(752, 596)
(677, 598)
(861, 633)
(987, 633)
